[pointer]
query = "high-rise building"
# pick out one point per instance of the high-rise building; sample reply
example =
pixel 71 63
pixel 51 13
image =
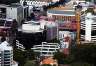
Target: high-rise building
pixel 30 33
pixel 51 28
pixel 88 27
pixel 6 11
pixel 6 54
pixel 17 9
pixel 35 32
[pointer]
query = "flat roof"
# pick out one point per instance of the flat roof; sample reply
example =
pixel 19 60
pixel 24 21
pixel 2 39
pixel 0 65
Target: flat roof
pixel 67 6
pixel 3 6
pixel 62 12
pixel 64 7
pixel 14 5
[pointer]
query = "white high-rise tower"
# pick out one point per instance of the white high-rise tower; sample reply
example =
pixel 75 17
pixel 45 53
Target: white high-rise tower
pixel 6 55
pixel 88 27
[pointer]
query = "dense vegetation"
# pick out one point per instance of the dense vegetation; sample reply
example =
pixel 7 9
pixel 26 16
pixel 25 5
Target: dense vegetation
pixel 82 55
pixel 24 57
pixel 85 53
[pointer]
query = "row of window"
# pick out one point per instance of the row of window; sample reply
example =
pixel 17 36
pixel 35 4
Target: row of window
pixel 39 0
pixel 93 32
pixel 35 3
pixel 47 52
pixel 5 23
pixel 66 18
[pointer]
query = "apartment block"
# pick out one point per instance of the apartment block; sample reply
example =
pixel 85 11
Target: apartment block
pixel 6 55
pixel 7 11
pixel 46 49
pixel 17 9
pixel 88 27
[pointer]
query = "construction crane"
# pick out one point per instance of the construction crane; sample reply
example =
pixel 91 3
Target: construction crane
pixel 78 26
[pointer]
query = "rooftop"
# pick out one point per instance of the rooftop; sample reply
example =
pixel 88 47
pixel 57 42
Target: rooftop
pixel 14 5
pixel 67 8
pixel 49 60
pixel 3 6
pixel 63 7
pixel 5 46
pixel 66 12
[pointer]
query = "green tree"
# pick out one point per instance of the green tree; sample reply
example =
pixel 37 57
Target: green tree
pixel 19 57
pixel 30 63
pixel 80 64
pixel 46 65
pixel 84 53
pixel 60 57
pixel 30 54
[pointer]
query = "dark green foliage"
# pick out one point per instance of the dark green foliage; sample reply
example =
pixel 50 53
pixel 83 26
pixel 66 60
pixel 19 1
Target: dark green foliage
pixel 30 54
pixel 81 64
pixel 81 55
pixel 22 56
pixel 60 57
pixel 19 57
pixel 46 65
pixel 30 63
pixel 84 53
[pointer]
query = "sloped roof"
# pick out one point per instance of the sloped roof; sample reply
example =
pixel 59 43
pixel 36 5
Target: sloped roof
pixel 49 60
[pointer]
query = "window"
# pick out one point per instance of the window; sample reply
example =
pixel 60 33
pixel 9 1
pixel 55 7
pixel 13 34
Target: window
pixel 6 62
pixel 3 10
pixel 51 49
pixel 82 32
pixel 6 51
pixel 0 54
pixel 2 22
pixel 6 59
pixel 44 49
pixel 49 53
pixel 6 56
pixel 93 32
pixel 44 52
pixel 8 23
